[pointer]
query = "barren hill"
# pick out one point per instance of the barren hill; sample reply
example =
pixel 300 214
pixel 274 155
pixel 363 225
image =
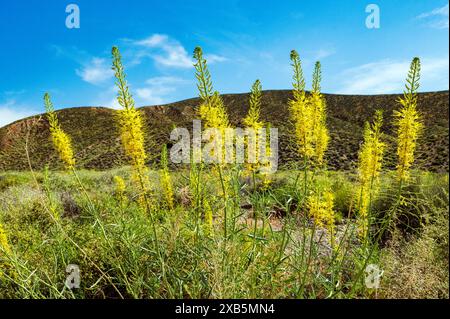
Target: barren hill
pixel 97 145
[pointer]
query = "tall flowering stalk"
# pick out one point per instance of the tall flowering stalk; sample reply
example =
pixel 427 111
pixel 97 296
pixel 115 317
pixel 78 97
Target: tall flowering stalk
pixel 254 124
pixel 320 137
pixel 61 140
pixel 212 110
pixel 369 167
pixel 408 122
pixel 131 124
pixel 309 117
pixel 301 114
pixel 214 115
pixel 166 182
pixel 62 144
pixel 267 166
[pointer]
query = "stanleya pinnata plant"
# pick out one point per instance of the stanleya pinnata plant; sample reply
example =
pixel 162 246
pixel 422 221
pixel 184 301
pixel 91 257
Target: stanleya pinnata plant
pixel 211 111
pixel 213 114
pixel 131 126
pixel 370 160
pixel 61 140
pixel 408 122
pixel 320 136
pixel 256 165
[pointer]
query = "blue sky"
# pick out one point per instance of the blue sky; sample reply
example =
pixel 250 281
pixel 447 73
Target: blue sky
pixel 243 41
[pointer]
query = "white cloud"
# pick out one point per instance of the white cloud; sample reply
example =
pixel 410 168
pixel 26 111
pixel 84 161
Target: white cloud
pixel 107 98
pixel 388 76
pixel 10 112
pixel 323 53
pixel 151 96
pixel 154 91
pixel 437 18
pixel 96 72
pixel 213 58
pixel 168 52
pixel 154 40
pixel 157 90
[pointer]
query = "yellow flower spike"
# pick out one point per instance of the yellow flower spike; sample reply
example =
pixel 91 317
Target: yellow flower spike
pixel 61 140
pixel 212 111
pixel 320 137
pixel 320 207
pixel 4 249
pixel 252 122
pixel 369 167
pixel 4 241
pixel 252 119
pixel 301 114
pixel 120 188
pixel 213 114
pixel 408 122
pixel 131 126
pixel 166 182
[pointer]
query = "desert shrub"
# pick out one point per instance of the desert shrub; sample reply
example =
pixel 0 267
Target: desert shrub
pixel 422 197
pixel 417 266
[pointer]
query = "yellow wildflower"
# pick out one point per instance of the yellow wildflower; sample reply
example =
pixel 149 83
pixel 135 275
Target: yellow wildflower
pixel 301 113
pixel 120 188
pixel 317 103
pixel 212 111
pixel 253 123
pixel 61 140
pixel 369 167
pixel 4 241
pixel 408 122
pixel 131 124
pixel 320 207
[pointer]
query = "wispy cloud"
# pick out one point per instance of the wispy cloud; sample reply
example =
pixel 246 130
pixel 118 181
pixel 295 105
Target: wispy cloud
pixel 154 91
pixel 388 76
pixel 92 69
pixel 11 111
pixel 214 58
pixel 107 98
pixel 96 71
pixel 324 53
pixel 167 52
pixel 158 89
pixel 437 18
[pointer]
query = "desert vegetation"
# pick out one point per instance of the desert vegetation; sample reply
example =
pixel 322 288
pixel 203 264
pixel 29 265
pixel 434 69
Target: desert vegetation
pixel 231 230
